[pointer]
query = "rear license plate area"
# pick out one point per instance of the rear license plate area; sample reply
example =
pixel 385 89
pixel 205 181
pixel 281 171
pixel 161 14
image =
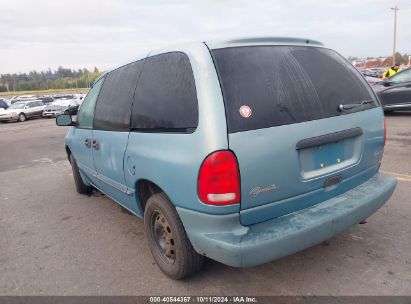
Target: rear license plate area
pixel 324 159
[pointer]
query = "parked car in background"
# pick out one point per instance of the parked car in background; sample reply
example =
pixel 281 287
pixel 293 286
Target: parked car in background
pixel 3 104
pixel 26 97
pixel 395 92
pixel 372 80
pixel 23 98
pixel 63 96
pixel 21 111
pixel 8 101
pixel 11 99
pixel 374 72
pixel 361 70
pixel 46 99
pixel 79 97
pixel 61 106
pixel 243 151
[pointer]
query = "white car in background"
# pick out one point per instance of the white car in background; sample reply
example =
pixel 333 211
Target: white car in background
pixel 61 106
pixel 23 110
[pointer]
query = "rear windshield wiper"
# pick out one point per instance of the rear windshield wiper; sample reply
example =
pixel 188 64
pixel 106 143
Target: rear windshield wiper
pixel 350 106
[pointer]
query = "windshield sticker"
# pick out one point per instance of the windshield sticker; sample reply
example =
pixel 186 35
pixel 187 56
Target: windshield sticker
pixel 245 111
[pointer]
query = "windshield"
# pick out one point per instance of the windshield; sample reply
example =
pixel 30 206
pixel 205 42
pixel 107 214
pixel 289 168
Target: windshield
pixel 404 76
pixel 17 106
pixel 267 86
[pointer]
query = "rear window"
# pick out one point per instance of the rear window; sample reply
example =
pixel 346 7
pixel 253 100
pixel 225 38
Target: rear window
pixel 267 86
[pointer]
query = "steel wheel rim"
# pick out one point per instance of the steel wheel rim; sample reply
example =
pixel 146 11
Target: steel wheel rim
pixel 163 237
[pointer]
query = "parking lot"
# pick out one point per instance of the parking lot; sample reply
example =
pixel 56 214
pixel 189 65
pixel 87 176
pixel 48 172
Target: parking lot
pixel 57 242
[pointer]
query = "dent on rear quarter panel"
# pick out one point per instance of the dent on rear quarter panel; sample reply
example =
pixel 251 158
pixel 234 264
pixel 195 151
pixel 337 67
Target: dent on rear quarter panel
pixel 172 161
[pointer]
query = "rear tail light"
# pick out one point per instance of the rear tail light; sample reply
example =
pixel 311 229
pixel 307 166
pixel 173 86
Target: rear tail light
pixel 219 179
pixel 385 131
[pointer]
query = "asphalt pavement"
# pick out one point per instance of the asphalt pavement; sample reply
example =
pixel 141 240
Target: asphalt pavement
pixel 57 242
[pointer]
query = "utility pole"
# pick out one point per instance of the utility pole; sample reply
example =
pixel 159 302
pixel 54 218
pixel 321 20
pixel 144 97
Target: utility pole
pixel 394 9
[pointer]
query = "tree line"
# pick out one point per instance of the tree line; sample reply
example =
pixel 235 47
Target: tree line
pixel 62 78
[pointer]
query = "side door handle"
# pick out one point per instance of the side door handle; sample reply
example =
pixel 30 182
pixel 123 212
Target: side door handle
pixel 87 142
pixel 96 145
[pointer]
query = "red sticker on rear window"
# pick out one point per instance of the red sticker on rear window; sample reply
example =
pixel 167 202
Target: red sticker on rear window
pixel 245 111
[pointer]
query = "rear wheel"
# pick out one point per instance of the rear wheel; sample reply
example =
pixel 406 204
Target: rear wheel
pixel 168 240
pixel 22 117
pixel 81 187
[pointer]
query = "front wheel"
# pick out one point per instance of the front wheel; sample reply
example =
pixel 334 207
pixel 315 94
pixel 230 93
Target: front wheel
pixel 168 240
pixel 81 187
pixel 22 117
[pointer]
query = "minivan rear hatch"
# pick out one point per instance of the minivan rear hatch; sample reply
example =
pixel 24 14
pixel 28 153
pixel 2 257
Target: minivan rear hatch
pixel 304 125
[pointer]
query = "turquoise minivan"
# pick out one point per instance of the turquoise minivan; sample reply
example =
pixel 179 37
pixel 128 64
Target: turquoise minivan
pixel 242 151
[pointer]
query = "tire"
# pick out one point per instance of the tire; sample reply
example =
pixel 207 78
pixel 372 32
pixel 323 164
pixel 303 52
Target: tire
pixel 168 241
pixel 22 117
pixel 81 187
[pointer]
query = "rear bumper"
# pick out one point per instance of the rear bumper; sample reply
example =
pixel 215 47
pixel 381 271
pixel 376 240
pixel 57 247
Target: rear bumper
pixel 224 239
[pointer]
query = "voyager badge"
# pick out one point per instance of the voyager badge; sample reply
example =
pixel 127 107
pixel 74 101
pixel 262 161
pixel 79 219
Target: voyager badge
pixel 257 190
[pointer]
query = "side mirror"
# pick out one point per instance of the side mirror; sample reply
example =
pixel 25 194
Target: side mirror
pixel 387 83
pixel 64 120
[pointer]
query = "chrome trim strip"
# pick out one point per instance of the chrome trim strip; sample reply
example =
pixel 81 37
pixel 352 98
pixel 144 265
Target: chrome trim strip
pixel 106 180
pixel 114 184
pixel 87 169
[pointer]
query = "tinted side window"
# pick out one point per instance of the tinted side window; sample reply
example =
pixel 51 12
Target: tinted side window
pixel 286 84
pixel 166 97
pixel 116 96
pixel 86 112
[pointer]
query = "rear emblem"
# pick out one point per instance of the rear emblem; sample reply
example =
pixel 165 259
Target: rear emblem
pixel 257 190
pixel 245 111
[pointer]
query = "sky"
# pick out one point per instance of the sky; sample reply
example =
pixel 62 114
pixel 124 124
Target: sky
pixel 42 34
